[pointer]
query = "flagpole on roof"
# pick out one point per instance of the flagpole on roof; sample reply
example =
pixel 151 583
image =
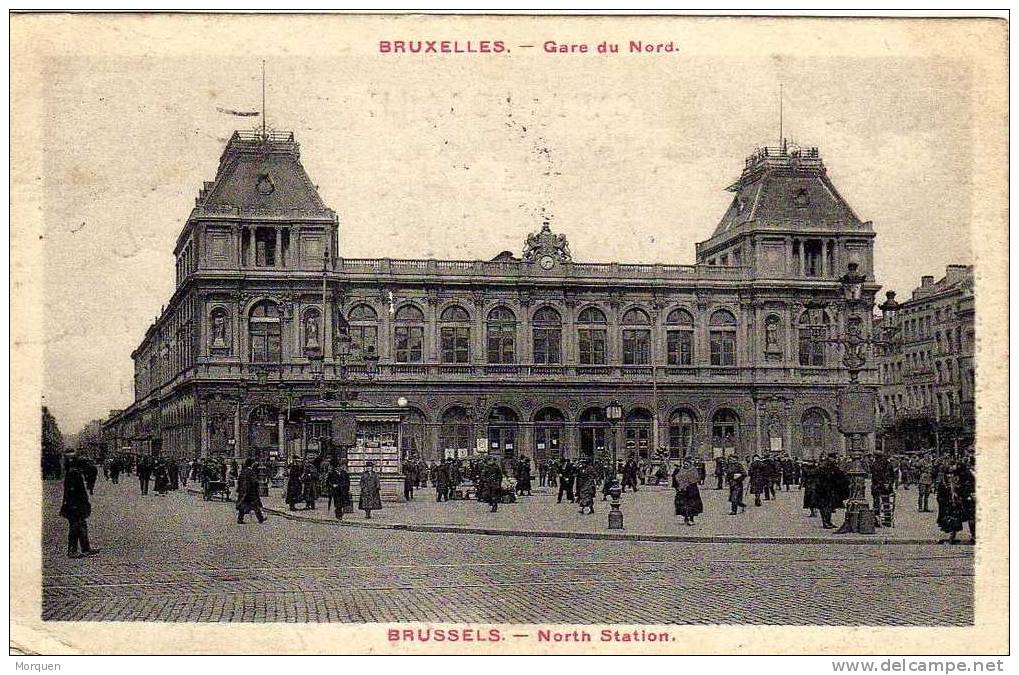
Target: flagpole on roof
pixel 263 99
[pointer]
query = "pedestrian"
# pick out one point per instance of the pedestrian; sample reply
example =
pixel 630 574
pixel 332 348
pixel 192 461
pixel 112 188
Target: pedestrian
pixel 759 478
pixel 553 472
pixel 702 472
pixel 957 500
pixel 587 485
pixel 173 473
pixel 924 484
pixel 160 477
pixel 524 477
pixel 788 472
pixel 309 486
pixel 808 482
pixel 542 473
pixel 371 491
pixel 295 490
pixel 410 480
pixel 76 509
pixel 567 473
pixel 772 477
pixel 339 489
pixel 234 468
pixel 882 479
pixel 249 493
pixel 144 474
pixel 115 467
pixel 831 489
pixel 440 479
pixel 685 480
pixel 719 472
pixel 492 480
pixel 736 476
pixel 91 473
pixel 630 474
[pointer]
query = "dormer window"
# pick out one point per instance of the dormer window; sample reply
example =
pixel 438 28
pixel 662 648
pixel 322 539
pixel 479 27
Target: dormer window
pixel 801 199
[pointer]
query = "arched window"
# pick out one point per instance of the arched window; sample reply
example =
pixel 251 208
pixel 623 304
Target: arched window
pixel 724 433
pixel 591 336
pixel 637 433
pixel 593 429
pixel 681 434
pixel 772 335
pixel 263 431
pixel 456 433
pixel 722 334
pixel 636 338
pixel 455 335
pixel 679 338
pixel 311 325
pixel 264 333
pixel 408 334
pixel 502 432
pixel 815 432
pixel 547 327
pixel 814 325
pixel 548 430
pixel 363 328
pixel 502 329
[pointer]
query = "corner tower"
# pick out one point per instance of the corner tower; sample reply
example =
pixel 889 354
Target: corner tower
pixel 260 213
pixel 787 221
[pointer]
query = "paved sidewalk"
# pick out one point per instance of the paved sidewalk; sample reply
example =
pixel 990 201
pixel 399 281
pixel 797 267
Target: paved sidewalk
pixel 648 515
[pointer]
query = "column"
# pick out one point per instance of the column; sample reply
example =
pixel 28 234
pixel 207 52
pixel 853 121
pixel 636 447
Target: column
pixel 789 256
pixel 803 258
pixel 284 451
pixel 431 354
pixel 279 246
pixel 824 259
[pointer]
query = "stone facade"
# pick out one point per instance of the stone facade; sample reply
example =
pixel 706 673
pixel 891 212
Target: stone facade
pixel 516 355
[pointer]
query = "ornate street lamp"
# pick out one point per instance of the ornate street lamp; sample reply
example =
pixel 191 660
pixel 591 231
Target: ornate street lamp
pixel 889 309
pixel 613 413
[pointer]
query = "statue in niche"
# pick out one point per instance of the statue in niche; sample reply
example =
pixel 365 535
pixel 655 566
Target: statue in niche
pixel 311 330
pixel 771 336
pixel 219 330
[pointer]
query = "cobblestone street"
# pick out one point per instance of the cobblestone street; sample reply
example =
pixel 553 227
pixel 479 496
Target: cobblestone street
pixel 177 558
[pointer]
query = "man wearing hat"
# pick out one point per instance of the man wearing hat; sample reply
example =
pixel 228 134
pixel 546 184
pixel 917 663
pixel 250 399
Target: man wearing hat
pixel 76 508
pixel 371 491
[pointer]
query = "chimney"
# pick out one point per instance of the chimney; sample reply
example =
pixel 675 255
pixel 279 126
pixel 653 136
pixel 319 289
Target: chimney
pixel 955 273
pixel 926 281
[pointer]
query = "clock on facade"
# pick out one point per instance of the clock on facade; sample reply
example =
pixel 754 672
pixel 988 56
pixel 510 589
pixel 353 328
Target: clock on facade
pixel 547 262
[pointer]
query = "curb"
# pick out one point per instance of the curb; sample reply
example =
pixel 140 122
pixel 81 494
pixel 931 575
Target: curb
pixel 598 536
pixel 604 536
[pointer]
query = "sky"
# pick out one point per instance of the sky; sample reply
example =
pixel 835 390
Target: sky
pixel 459 156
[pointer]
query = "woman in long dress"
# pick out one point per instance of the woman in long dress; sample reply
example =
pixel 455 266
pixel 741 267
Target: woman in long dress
pixel 688 496
pixel 587 485
pixel 371 491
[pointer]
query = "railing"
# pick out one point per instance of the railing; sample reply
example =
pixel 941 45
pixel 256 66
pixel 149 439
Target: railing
pixel 495 268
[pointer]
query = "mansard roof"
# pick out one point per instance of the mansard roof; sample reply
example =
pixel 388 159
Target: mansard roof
pixel 262 173
pixel 788 189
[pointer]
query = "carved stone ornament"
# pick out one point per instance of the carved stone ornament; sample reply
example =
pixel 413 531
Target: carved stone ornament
pixel 545 244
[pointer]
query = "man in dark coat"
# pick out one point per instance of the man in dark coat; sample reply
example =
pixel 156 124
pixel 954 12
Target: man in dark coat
pixel 772 477
pixel 924 483
pixel 309 486
pixel 160 477
pixel 736 476
pixel 440 479
pixel 957 500
pixel 524 477
pixel 630 474
pixel 542 473
pixel 789 472
pixel 587 485
pixel 758 478
pixel 144 474
pixel 173 472
pixel 719 472
pixel 882 479
pixel 492 478
pixel 295 489
pixel 249 493
pixel 567 473
pixel 90 472
pixel 831 489
pixel 339 489
pixel 808 482
pixel 371 491
pixel 76 509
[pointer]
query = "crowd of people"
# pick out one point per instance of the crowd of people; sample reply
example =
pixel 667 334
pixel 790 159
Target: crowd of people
pixel 825 484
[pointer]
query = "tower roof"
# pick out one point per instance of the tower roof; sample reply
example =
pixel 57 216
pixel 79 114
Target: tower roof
pixel 262 173
pixel 787 188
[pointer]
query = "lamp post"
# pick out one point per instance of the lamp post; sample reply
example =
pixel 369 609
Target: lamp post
pixel 613 413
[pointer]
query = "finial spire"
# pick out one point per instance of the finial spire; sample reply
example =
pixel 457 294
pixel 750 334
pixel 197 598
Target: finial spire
pixel 263 99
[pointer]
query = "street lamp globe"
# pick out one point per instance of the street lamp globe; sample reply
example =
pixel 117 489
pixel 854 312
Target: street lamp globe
pixel 614 411
pixel 889 308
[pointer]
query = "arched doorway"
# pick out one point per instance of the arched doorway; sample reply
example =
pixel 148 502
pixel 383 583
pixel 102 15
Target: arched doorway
pixel 548 431
pixel 815 433
pixel 724 433
pixel 502 432
pixel 263 433
pixel 681 434
pixel 412 436
pixel 593 430
pixel 456 433
pixel 636 435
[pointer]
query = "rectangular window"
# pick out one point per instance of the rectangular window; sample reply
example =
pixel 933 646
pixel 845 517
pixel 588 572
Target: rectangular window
pixel 811 349
pixel 455 344
pixel 501 344
pixel 408 341
pixel 547 343
pixel 723 348
pixel 592 346
pixel 679 344
pixel 364 338
pixel 636 347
